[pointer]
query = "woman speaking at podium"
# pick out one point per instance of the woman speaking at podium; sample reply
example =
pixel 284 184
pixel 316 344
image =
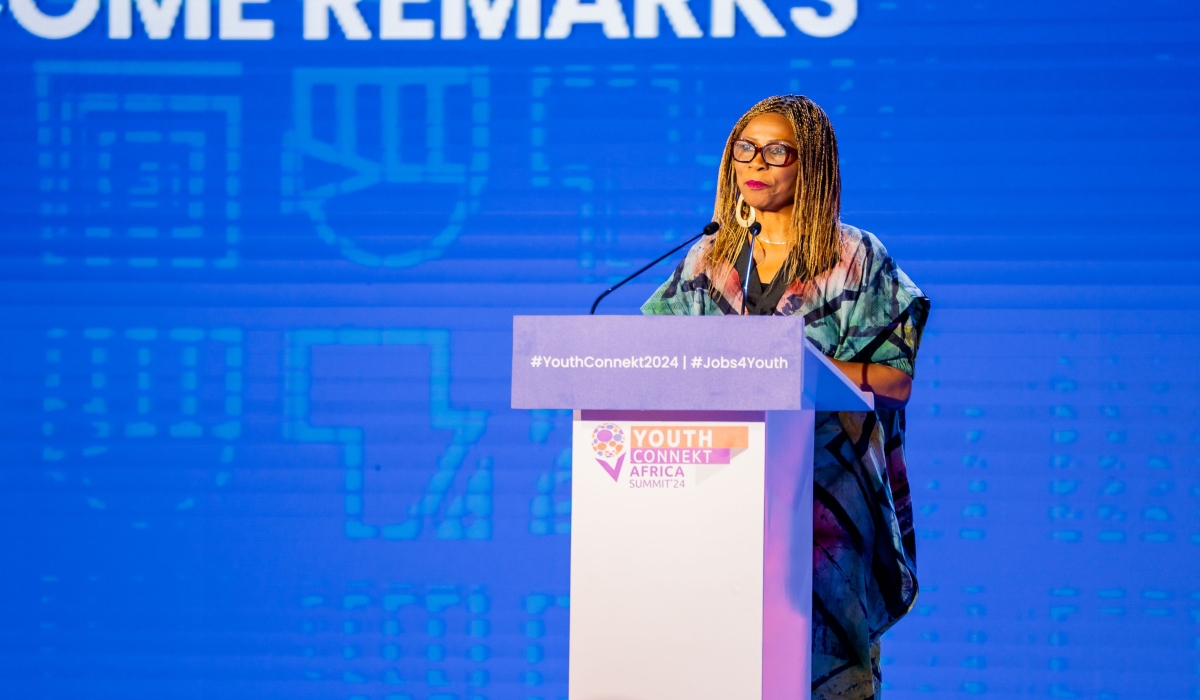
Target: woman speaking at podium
pixel 780 171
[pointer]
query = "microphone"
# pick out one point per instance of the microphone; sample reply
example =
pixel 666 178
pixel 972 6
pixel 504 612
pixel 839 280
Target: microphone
pixel 755 229
pixel 708 230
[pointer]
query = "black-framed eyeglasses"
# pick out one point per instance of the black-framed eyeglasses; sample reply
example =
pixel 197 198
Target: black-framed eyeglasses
pixel 776 154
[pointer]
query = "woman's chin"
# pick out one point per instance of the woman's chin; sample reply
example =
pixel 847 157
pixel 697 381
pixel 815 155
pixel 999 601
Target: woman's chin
pixel 764 204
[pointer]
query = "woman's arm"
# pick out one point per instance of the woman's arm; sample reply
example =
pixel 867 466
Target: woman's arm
pixel 891 386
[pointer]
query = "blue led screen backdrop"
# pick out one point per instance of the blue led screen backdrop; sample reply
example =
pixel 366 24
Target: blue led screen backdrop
pixel 259 266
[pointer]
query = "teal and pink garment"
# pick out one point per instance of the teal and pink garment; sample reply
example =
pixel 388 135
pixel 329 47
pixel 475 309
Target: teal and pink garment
pixel 864 309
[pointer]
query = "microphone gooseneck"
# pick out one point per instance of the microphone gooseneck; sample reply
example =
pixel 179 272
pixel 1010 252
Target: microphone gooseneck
pixel 708 230
pixel 755 229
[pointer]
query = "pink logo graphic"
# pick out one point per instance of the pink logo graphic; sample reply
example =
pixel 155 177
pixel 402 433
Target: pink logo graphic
pixel 608 441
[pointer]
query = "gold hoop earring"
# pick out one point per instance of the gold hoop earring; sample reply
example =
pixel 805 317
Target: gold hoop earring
pixel 737 213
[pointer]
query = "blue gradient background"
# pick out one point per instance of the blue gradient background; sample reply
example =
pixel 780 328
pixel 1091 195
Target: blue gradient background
pixel 255 432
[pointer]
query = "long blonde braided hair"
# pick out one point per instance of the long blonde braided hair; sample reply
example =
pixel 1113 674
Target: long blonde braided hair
pixel 814 231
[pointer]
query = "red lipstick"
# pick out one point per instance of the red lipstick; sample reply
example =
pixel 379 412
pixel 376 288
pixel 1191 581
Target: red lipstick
pixel 755 184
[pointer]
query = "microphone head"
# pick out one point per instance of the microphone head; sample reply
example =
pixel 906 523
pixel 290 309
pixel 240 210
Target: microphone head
pixel 711 228
pixel 755 228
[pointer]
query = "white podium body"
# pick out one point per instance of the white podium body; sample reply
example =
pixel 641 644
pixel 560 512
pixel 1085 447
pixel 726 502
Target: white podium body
pixel 691 510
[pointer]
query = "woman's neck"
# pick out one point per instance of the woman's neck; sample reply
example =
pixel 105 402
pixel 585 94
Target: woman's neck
pixel 774 242
pixel 776 225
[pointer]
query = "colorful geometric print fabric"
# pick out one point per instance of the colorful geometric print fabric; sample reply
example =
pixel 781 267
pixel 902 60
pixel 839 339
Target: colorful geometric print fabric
pixel 865 309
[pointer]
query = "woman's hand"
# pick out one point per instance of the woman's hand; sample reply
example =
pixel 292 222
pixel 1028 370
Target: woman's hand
pixel 891 386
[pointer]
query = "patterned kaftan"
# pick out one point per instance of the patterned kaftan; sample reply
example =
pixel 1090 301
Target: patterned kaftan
pixel 865 309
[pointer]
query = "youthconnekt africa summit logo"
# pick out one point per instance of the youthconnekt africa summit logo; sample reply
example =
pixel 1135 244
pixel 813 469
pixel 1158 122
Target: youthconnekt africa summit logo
pixel 608 442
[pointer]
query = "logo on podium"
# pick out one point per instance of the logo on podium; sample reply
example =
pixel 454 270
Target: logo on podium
pixel 608 442
pixel 667 456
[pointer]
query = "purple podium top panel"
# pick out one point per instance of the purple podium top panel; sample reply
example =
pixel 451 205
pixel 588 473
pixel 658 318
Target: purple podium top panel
pixel 682 363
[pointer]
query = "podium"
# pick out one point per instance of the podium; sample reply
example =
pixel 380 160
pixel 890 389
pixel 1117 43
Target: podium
pixel 691 497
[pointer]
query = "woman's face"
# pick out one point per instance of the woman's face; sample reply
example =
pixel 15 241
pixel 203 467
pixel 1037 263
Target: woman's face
pixel 767 187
